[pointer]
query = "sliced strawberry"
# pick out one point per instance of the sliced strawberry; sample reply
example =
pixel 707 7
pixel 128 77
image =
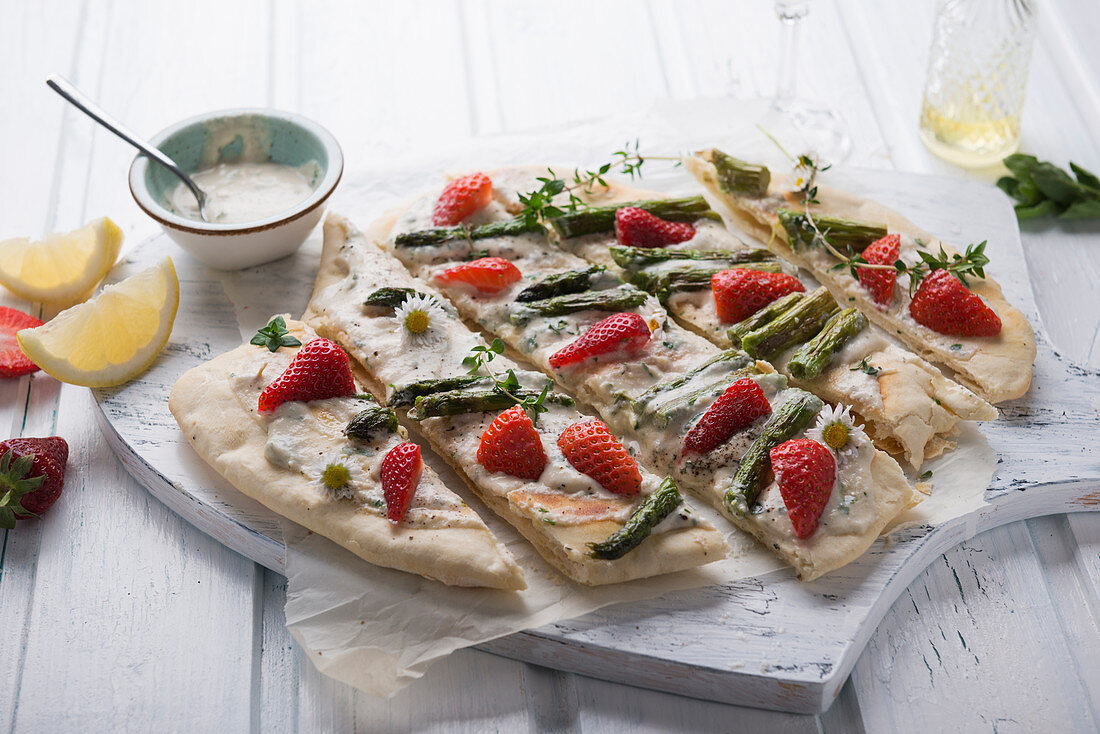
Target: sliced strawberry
pixel 944 304
pixel 488 275
pixel 461 198
pixel 13 362
pixel 740 292
pixel 621 333
pixel 32 475
pixel 319 370
pixel 401 469
pixel 805 472
pixel 636 227
pixel 592 450
pixel 739 406
pixel 511 444
pixel 881 282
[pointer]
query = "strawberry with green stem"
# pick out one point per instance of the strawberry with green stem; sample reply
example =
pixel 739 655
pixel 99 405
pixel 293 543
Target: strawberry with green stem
pixel 32 475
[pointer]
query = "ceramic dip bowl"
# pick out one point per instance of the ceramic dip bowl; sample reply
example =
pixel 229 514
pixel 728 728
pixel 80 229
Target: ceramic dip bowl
pixel 239 136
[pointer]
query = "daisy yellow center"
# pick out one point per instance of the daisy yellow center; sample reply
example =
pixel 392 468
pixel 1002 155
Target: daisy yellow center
pixel 835 435
pixel 336 476
pixel 417 322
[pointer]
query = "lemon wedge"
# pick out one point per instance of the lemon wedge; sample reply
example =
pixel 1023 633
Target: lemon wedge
pixel 112 338
pixel 62 269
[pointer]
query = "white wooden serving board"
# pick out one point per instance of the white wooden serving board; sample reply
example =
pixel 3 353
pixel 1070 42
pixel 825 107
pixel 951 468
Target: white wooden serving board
pixel 768 642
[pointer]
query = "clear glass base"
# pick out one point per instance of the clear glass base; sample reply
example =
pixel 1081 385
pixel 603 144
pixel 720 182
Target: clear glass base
pixel 803 127
pixel 969 157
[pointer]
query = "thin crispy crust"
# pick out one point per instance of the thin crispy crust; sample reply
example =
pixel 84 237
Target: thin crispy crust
pixel 998 369
pixel 230 439
pixel 564 546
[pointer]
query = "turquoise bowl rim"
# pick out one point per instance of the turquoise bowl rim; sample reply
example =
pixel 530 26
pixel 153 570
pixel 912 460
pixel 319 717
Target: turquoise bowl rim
pixel 333 171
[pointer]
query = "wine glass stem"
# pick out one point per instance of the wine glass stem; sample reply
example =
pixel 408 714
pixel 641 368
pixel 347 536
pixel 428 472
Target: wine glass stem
pixel 791 13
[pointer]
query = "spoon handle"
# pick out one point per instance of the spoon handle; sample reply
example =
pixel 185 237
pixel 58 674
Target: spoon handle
pixel 79 100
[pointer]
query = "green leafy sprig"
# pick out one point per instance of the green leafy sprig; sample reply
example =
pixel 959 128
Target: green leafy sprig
pixel 970 264
pixel 540 204
pixel 1042 189
pixel 478 360
pixel 275 335
pixel 865 367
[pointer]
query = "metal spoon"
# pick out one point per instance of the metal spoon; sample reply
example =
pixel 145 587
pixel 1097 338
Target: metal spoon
pixel 81 101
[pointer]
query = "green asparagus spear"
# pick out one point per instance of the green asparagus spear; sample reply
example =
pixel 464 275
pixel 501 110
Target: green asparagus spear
pixel 796 412
pixel 407 394
pixel 765 315
pixel 736 176
pixel 795 325
pixel 442 235
pixel 367 422
pixel 814 356
pixel 654 508
pixel 475 401
pixel 845 234
pixel 389 297
pixel 663 283
pixel 623 298
pixel 735 357
pixel 602 218
pixel 559 284
pixel 633 258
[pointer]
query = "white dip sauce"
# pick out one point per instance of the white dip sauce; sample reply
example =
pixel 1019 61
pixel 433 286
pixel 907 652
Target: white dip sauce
pixel 245 192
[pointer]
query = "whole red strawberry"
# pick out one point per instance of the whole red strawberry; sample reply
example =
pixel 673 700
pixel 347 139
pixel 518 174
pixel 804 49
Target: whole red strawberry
pixel 944 304
pixel 512 445
pixel 13 362
pixel 621 333
pixel 488 275
pixel 636 227
pixel 805 472
pixel 461 198
pixel 881 282
pixel 319 370
pixel 32 475
pixel 740 292
pixel 401 469
pixel 739 406
pixel 592 450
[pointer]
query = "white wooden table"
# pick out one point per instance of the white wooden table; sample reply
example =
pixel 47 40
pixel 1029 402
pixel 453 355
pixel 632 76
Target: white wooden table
pixel 116 614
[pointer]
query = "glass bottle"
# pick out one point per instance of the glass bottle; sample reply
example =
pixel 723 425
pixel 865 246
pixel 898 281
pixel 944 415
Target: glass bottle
pixel 977 75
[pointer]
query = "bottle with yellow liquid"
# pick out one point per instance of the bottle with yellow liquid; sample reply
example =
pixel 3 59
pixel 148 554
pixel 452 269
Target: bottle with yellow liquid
pixel 977 75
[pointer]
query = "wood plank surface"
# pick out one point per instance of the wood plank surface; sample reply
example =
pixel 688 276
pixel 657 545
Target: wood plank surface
pixel 115 614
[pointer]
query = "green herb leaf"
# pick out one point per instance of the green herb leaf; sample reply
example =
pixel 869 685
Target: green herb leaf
pixel 275 335
pixel 925 476
pixel 1042 189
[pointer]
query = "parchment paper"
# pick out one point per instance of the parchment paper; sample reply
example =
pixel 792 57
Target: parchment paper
pixel 379 629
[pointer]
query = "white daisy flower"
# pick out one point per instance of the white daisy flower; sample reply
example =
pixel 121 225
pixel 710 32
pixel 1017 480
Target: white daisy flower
pixel 419 319
pixel 836 430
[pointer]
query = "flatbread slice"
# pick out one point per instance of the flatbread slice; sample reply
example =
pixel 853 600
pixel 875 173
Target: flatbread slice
pixel 909 407
pixel 997 368
pixel 656 395
pixel 562 512
pixel 278 461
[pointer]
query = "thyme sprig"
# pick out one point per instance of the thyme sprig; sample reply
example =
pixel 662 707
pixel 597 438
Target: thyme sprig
pixel 478 361
pixel 541 204
pixel 970 264
pixel 275 335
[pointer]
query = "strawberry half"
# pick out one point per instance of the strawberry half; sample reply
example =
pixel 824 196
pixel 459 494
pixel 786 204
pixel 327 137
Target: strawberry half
pixel 319 370
pixel 401 469
pixel 739 406
pixel 621 333
pixel 944 304
pixel 13 362
pixel 32 475
pixel 881 282
pixel 488 275
pixel 512 445
pixel 740 292
pixel 461 198
pixel 592 450
pixel 805 472
pixel 636 227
